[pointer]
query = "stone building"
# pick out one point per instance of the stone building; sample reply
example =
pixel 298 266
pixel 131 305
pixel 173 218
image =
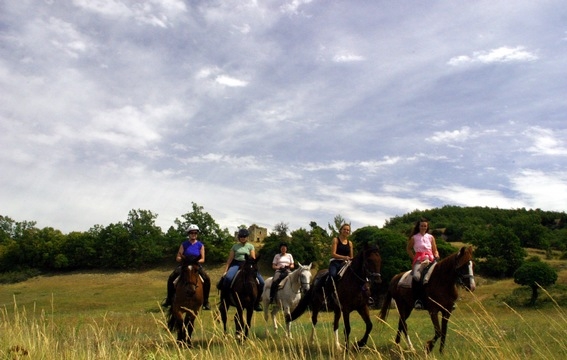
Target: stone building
pixel 257 233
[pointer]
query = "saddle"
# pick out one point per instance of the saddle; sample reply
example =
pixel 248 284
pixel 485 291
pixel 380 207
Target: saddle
pixel 426 270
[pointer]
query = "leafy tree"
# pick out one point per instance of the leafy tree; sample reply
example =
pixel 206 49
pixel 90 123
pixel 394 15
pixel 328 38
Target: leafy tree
pixel 271 244
pixel 145 237
pixel 392 247
pixel 114 240
pixel 281 229
pixel 338 221
pixel 80 250
pixel 217 241
pixel 320 240
pixel 529 230
pixel 535 274
pixel 498 249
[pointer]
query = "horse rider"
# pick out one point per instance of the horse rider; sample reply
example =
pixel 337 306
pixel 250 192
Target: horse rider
pixel 421 247
pixel 341 251
pixel 195 248
pixel 283 265
pixel 236 257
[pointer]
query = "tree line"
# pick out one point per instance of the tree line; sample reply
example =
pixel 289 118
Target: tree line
pixel 499 236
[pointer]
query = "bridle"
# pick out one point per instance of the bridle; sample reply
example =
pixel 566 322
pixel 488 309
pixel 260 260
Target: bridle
pixel 468 276
pixel 369 276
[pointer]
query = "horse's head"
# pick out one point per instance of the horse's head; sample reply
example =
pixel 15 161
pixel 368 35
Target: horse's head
pixel 372 263
pixel 464 266
pixel 249 267
pixel 190 273
pixel 304 277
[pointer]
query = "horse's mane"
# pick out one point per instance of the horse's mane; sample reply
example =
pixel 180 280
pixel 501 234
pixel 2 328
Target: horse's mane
pixel 358 260
pixel 246 271
pixel 455 260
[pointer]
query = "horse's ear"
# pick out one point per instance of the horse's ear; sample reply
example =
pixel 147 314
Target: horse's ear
pixel 298 263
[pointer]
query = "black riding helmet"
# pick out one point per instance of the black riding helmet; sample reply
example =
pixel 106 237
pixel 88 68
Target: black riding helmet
pixel 283 244
pixel 242 233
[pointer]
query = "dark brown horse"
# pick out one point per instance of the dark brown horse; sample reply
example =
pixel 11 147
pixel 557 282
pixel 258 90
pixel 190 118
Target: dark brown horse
pixel 242 295
pixel 350 293
pixel 187 301
pixel 440 291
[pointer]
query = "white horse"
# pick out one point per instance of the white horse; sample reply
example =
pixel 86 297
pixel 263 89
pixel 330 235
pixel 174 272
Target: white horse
pixel 288 294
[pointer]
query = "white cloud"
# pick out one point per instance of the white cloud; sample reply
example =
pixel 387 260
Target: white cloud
pixel 345 58
pixel 450 136
pixel 230 81
pixel 469 196
pixel 545 142
pixel 304 109
pixel 502 54
pixel 152 12
pixel 544 190
pixel 292 6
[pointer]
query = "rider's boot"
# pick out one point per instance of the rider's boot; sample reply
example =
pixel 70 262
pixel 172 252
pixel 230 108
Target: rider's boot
pixel 416 289
pixel 170 290
pixel 206 292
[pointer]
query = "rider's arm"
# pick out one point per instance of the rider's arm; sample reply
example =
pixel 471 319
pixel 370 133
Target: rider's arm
pixel 230 258
pixel 202 259
pixel 179 253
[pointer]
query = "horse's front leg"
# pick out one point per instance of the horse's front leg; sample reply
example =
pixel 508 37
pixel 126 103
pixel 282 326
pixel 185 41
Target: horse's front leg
pixel 403 313
pixel 444 324
pixel 223 309
pixel 239 322
pixel 336 327
pixel 287 312
pixel 435 320
pixel 364 313
pixel 188 325
pixel 249 313
pixel 275 310
pixel 314 315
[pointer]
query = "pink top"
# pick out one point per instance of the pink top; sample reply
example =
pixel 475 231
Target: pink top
pixel 422 247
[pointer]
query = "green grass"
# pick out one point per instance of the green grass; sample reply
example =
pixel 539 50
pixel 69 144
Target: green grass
pixel 117 316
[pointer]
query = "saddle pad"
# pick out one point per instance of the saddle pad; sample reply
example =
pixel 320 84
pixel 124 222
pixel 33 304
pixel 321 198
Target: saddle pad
pixel 282 283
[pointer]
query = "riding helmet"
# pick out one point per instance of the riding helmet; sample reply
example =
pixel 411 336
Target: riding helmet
pixel 242 233
pixel 192 227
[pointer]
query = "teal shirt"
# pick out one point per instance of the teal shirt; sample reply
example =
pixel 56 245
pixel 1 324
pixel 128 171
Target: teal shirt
pixel 241 250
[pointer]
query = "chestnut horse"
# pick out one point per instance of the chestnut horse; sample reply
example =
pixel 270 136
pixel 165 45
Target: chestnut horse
pixel 440 291
pixel 242 295
pixel 351 293
pixel 187 301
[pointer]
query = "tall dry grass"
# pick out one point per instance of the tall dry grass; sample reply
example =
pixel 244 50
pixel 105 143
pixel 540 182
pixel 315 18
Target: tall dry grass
pixel 474 333
pixel 117 316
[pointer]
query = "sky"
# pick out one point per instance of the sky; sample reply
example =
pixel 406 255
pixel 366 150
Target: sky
pixel 289 111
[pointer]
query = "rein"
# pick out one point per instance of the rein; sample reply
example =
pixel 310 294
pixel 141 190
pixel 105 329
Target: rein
pixel 300 278
pixel 368 273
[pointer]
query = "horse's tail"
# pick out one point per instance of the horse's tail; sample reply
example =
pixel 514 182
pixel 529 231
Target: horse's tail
pixel 171 320
pixel 386 305
pixel 301 306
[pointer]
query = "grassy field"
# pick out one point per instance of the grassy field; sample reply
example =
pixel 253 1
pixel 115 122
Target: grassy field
pixel 116 315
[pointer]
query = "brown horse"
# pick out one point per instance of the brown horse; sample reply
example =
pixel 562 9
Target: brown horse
pixel 242 295
pixel 351 293
pixel 187 301
pixel 440 291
